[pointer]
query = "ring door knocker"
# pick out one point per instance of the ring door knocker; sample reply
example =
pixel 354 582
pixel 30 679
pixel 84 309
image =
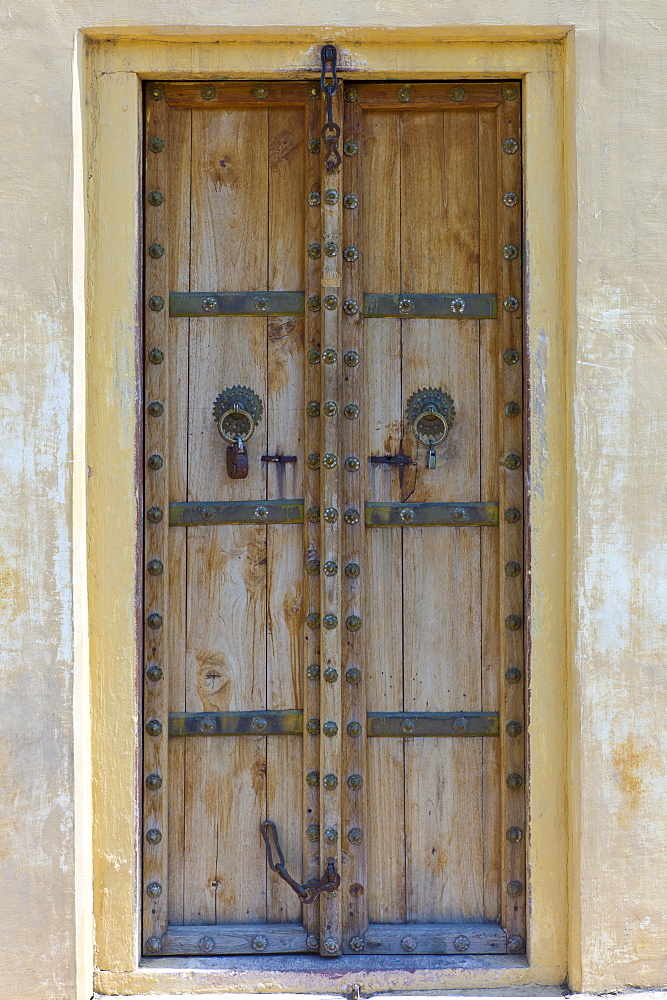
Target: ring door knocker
pixel 430 413
pixel 236 412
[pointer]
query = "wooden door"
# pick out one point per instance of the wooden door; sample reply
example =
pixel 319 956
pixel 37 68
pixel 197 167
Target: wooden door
pixel 334 643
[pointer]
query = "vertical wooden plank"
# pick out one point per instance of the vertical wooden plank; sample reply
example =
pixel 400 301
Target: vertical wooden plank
pixel 285 427
pixel 490 281
pixel 511 483
pixel 311 535
pixel 354 490
pixel 331 537
pixel 225 873
pixel 442 628
pixel 380 199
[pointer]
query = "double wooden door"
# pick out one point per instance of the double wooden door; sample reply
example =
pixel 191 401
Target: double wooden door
pixel 334 642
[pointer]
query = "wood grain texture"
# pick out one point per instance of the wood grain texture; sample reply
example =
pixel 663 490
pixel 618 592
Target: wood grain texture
pixel 237 94
pixel 429 96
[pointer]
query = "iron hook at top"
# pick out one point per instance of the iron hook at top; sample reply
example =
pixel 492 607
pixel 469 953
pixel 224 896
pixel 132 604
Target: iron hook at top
pixel 329 56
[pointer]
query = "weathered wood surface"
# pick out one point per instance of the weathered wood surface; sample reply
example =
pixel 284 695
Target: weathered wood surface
pixel 435 939
pixel 235 939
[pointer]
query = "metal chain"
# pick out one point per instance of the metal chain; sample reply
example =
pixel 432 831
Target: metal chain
pixel 310 890
pixel 330 130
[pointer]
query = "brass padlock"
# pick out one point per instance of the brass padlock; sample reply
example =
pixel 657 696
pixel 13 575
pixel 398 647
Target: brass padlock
pixel 236 412
pixel 430 413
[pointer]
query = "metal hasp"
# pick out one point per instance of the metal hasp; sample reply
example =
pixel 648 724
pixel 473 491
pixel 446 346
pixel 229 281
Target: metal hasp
pixel 310 890
pixel 392 514
pixel 193 513
pixel 288 722
pixel 432 724
pixel 236 412
pixel 330 130
pixel 406 305
pixel 236 303
pixel 430 413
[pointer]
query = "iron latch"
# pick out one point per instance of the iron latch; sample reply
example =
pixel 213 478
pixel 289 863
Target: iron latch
pixel 310 890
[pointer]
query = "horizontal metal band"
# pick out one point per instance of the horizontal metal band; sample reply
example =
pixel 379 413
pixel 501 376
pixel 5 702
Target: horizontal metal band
pixel 289 722
pixel 391 514
pixel 234 939
pixel 285 723
pixel 236 512
pixel 405 305
pixel 434 939
pixel 236 303
pixel 432 724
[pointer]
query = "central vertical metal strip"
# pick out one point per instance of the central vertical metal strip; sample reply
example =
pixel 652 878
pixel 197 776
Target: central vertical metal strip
pixel 332 627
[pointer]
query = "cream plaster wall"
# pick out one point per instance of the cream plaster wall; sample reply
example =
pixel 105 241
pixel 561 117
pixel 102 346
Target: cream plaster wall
pixel 617 399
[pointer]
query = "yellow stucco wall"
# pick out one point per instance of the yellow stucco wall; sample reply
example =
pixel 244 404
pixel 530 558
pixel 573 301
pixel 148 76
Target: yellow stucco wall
pixel 608 388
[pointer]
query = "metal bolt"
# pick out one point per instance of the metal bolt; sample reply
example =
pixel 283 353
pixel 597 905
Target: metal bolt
pixel 408 943
pixel 330 250
pixel 351 411
pixel 314 198
pixel 156 356
pixel 155 567
pixel 155 145
pixel 206 944
pixel 457 305
pixel 351 516
pixel 330 515
pixel 457 94
pixel 510 252
pixel 511 304
pixel 313 672
pixel 353 675
pixel 511 356
pixel 331 834
pixel 510 92
pixel 510 199
pixel 351 359
pixel 460 725
pixel 156 92
pixel 355 835
pixel 461 942
pixel 352 571
pixel 313 941
pixel 513 623
pixel 330 621
pixel 155 620
pixel 515 943
pixel 351 200
pixel 330 674
pixel 153 727
pixel 353 623
pixel 313 620
pixel 206 725
pixel 313 460
pixel 355 782
pixel 330 781
pixel 155 198
pixel 208 304
pixel 313 356
pixel 261 513
pixel 154 889
pixel 153 836
pixel 153 945
pixel 313 514
pixel 356 944
pixel 404 95
pixel 511 409
pixel 314 92
pixel 259 943
pixel 313 832
pixel 153 781
pixel 312 567
pixel 155 462
pixel 351 253
pixel 156 303
pixel 331 946
pixel 261 91
pixel 314 303
pixel 514 888
pixel 351 148
pixel 510 146
pixel 330 408
pixel 512 515
pixel 512 460
pixel 329 729
pixel 514 834
pixel 351 95
pixel 405 305
pixel 512 568
pixel 514 780
pixel 330 567
pixel 313 728
pixel 408 725
pixel 350 307
pixel 407 515
pixel 313 145
pixel 331 196
pixel 512 675
pixel 313 778
pixel 156 250
pixel 354 729
pixel 314 251
pixel 259 725
pixel 513 727
pixel 154 672
pixel 154 514
pixel 209 92
pixel 352 463
pixel 330 356
pixel 459 514
pixel 261 303
pixel 313 408
pixel 330 302
pixel 156 408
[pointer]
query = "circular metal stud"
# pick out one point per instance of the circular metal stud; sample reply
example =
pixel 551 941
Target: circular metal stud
pixel 512 675
pixel 353 675
pixel 330 567
pixel 209 92
pixel 510 199
pixel 351 200
pixel 154 672
pixel 457 94
pixel 511 409
pixel 155 198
